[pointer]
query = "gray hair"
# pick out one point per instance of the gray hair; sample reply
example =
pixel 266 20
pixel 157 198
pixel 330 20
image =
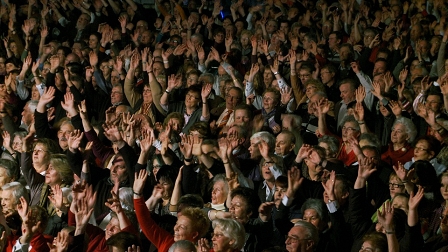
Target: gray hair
pixel 210 77
pixel 310 230
pixel 296 120
pixel 126 197
pixel 409 126
pixel 372 139
pixel 32 105
pixel 232 229
pixel 319 206
pixel 352 119
pixel 17 190
pixel 221 177
pixel 183 244
pixel 333 143
pixel 11 167
pixel 267 137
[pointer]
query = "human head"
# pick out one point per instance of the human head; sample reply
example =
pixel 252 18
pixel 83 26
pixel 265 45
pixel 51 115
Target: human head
pixel 303 237
pixel 182 246
pixel 330 144
pixel 341 189
pixel 375 242
pixel 350 127
pixel 244 202
pixel 426 148
pixel 64 132
pixel 328 74
pixel 396 185
pixel 284 143
pixel 9 171
pixel 255 140
pixel 271 98
pixel 234 97
pixel 347 88
pixel 192 224
pixel 62 173
pixel 116 95
pixel 10 196
pixel 220 189
pixel 28 112
pixel 121 241
pixel 228 234
pixel 242 115
pixel 315 212
pixel 403 131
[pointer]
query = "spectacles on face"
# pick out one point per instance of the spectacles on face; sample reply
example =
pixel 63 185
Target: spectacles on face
pixel 420 148
pixel 348 129
pixel 395 186
pixel 301 76
pixel 192 96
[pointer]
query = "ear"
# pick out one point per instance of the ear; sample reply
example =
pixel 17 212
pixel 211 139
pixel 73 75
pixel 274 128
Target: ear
pixel 231 242
pixel 242 140
pixel 195 235
pixel 310 245
pixel 292 147
pixel 431 154
pixel 345 195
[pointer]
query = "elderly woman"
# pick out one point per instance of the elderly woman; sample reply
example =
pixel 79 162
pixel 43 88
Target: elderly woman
pixel 46 188
pixel 219 193
pixel 312 86
pixel 400 149
pixel 228 236
pixel 269 119
pixel 350 129
pixel 34 167
pixel 427 148
pixel 192 223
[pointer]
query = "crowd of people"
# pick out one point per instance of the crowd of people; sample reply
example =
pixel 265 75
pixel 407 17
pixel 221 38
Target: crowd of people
pixel 248 125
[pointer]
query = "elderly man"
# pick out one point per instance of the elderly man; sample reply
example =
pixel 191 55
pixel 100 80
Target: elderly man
pixel 10 198
pixel 303 237
pixel 284 147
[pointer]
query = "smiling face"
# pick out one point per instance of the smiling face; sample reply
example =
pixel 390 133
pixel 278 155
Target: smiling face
pixel 444 187
pixel 269 101
pixel 241 117
pixel 113 227
pixel 395 186
pixel 398 134
pixel 183 230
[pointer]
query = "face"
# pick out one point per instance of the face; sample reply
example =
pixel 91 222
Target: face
pixel 269 101
pixel 239 209
pixel 27 115
pixel 383 109
pixel 146 37
pixel 311 216
pixel 9 204
pixel 444 187
pixel 296 240
pixel 118 171
pixel 83 21
pixel 112 228
pixel 17 143
pixel 241 117
pixel 147 95
pixel 155 167
pixel 52 177
pixel 310 90
pixel 267 174
pixel 347 94
pixel 368 37
pixel 268 76
pixel 271 26
pixel 232 99
pixel 433 103
pixel 219 195
pixel 183 229
pixel 421 151
pixel 220 242
pixel 167 188
pixel 367 247
pixel 379 68
pixel 326 76
pixel 245 40
pixel 192 80
pixel 395 186
pixel 349 129
pixel 398 134
pixel 254 149
pixel 40 155
pixel 63 135
pixel 219 38
pixel 4 178
pixel 192 99
pixel 345 54
pixel 116 96
pixel 2 66
pixel 401 202
pixel 304 75
pixel 278 194
pixel 35 95
pixel 93 42
pixel 283 144
pixel 333 41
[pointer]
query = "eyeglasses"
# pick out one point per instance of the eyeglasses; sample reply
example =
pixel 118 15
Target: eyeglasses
pixel 420 148
pixel 192 96
pixel 146 90
pixel 395 185
pixel 304 75
pixel 156 166
pixel 266 98
pixel 348 129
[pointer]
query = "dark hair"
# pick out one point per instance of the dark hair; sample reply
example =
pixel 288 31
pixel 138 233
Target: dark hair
pixel 167 173
pixel 281 181
pixel 123 240
pixel 433 144
pixel 378 241
pixel 249 196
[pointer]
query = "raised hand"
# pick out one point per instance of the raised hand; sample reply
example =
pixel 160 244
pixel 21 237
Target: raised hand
pixel 139 181
pixel 366 168
pixel 396 108
pixel 295 180
pixel 415 198
pixel 360 94
pixel 22 208
pixel 114 203
pixel 329 186
pixel 48 95
pixel 186 146
pixel 74 140
pixel 386 216
pixel 57 197
pixel 400 171
pixel 358 113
